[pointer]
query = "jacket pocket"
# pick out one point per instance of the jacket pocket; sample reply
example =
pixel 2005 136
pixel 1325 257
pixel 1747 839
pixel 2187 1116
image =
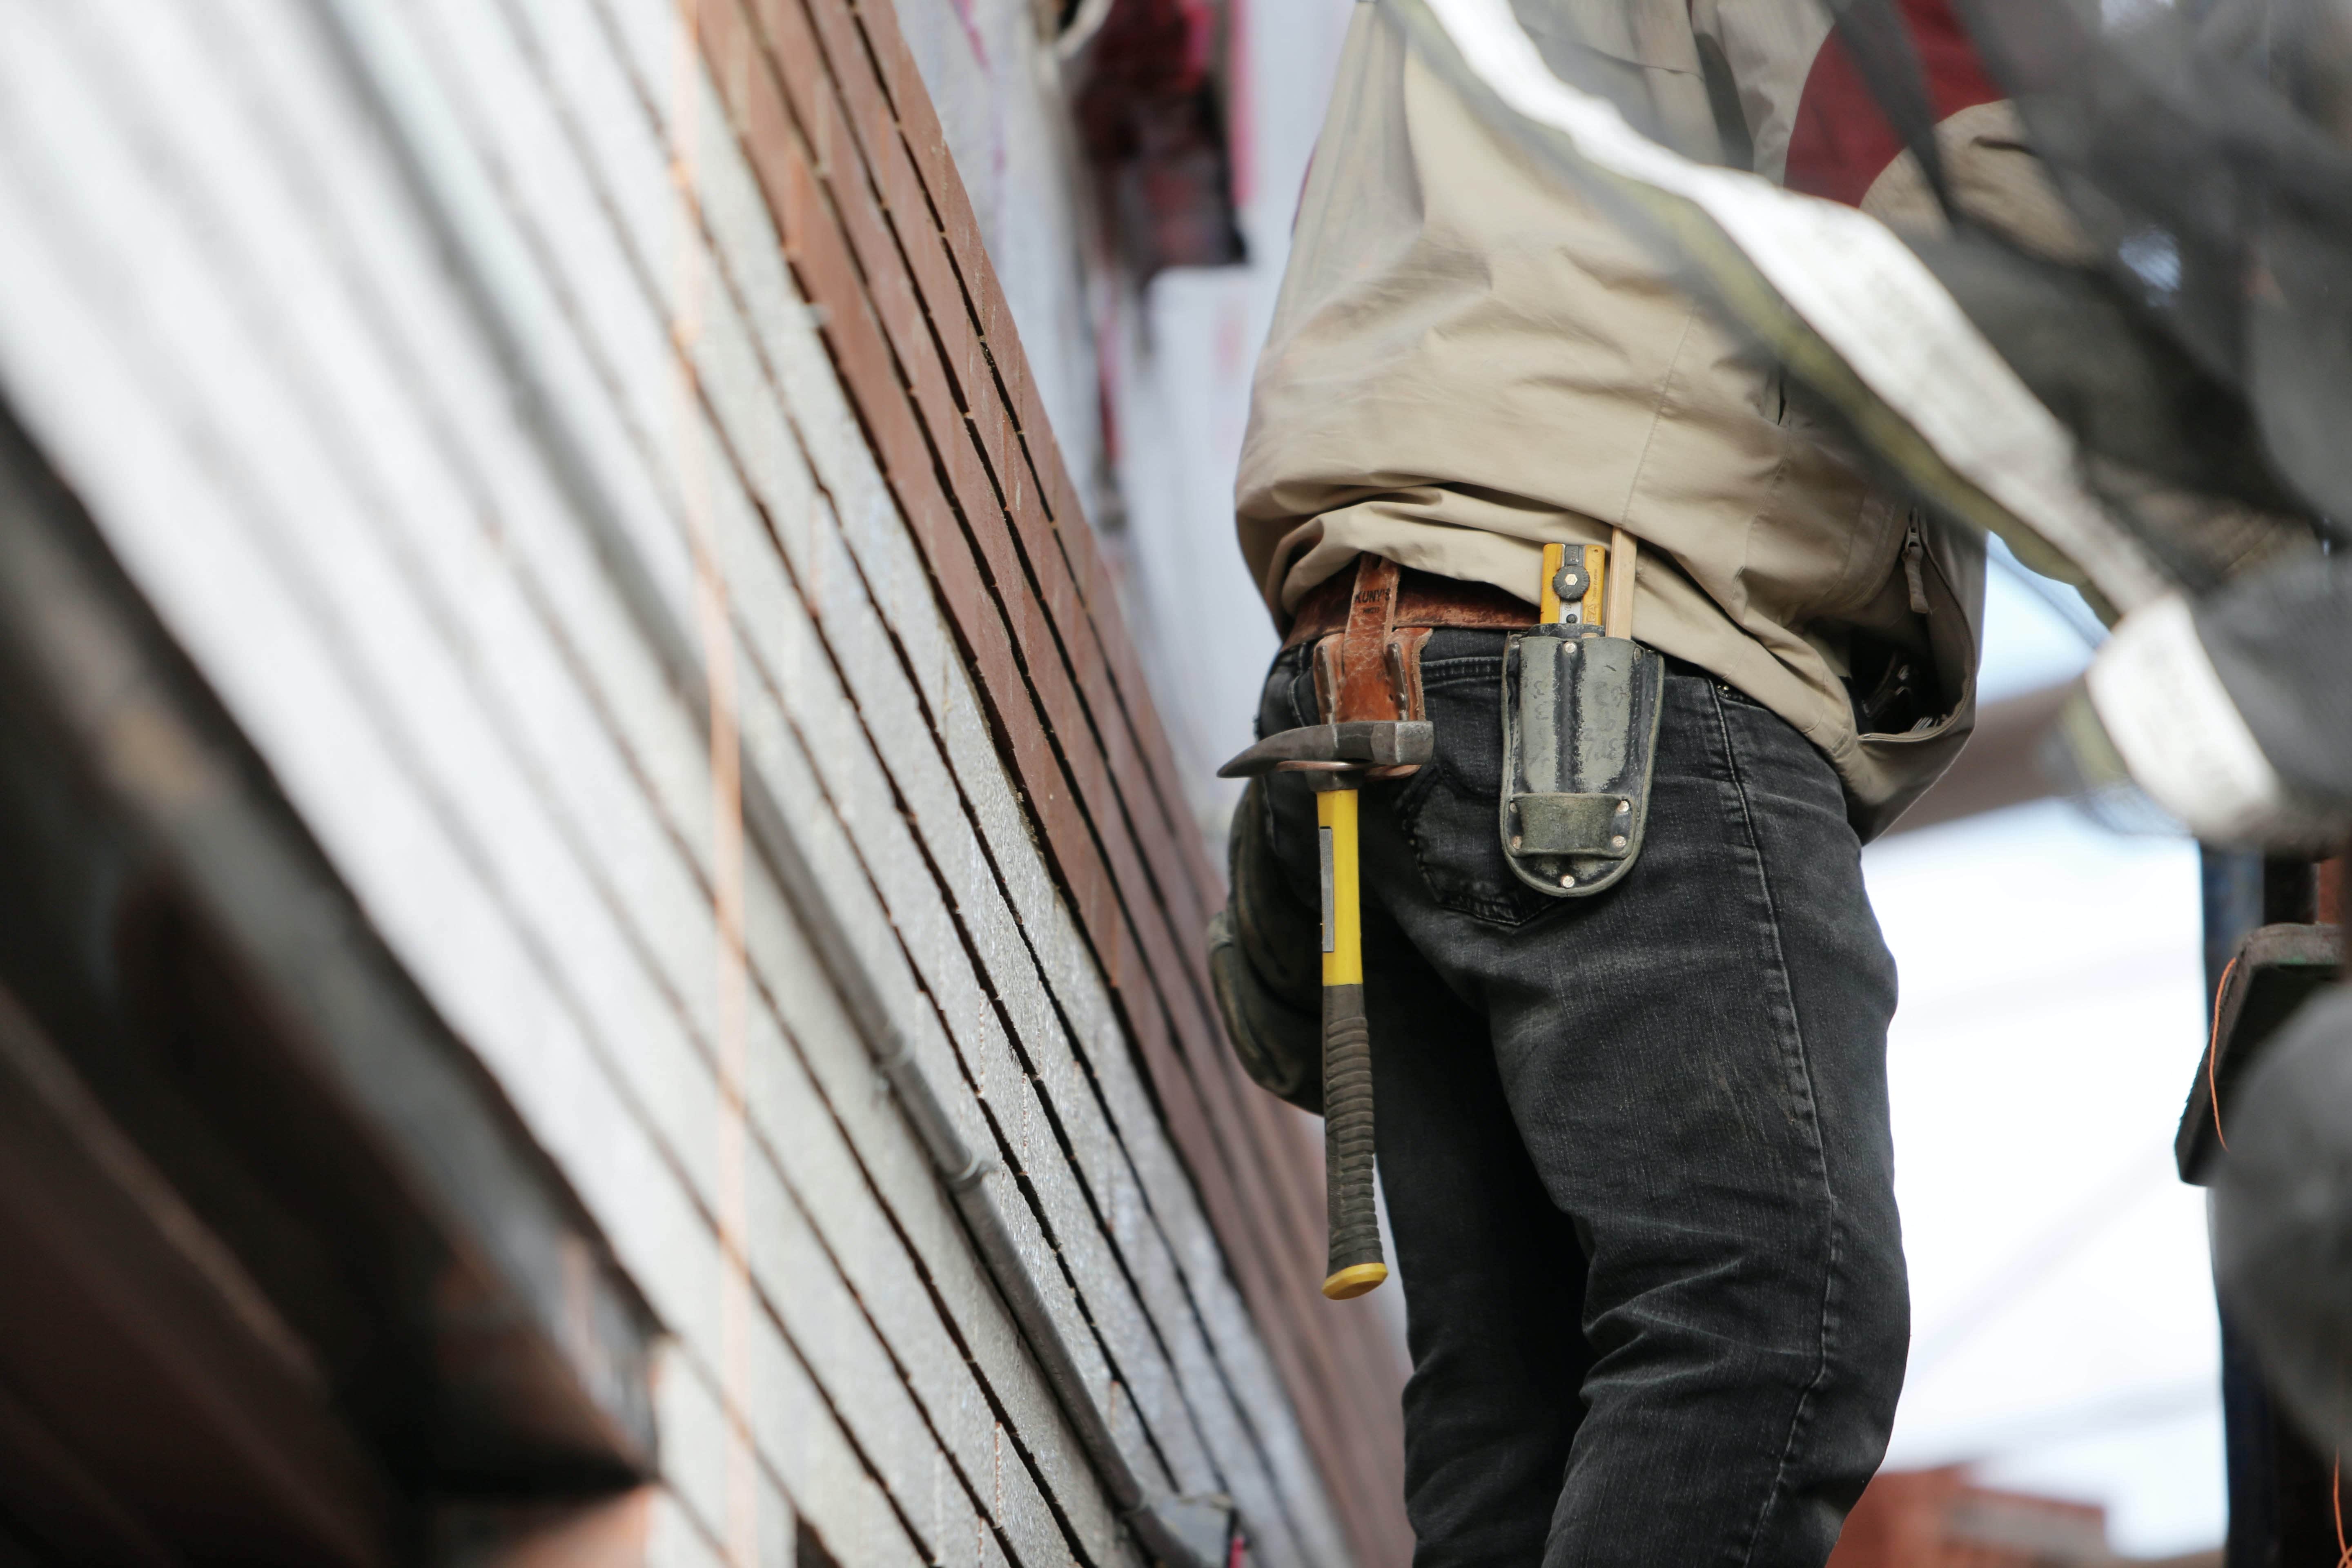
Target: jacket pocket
pixel 1951 642
pixel 1913 759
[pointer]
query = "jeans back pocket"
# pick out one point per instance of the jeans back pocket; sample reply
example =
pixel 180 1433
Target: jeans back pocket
pixel 1446 810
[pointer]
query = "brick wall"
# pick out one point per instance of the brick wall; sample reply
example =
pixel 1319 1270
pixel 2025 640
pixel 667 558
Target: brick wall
pixel 1938 1518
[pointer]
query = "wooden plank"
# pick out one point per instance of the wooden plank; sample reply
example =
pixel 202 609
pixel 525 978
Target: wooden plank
pixel 175 527
pixel 927 787
pixel 984 301
pixel 1040 552
pixel 1050 678
pixel 1005 567
pixel 819 110
pixel 911 114
pixel 1047 916
pixel 965 772
pixel 669 1274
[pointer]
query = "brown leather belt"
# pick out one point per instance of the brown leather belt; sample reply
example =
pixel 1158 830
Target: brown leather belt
pixel 1422 599
pixel 1368 625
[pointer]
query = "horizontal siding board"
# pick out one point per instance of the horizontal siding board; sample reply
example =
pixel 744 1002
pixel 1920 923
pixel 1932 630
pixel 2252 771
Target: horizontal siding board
pixel 1045 565
pixel 667 1272
pixel 929 788
pixel 843 476
pixel 983 296
pixel 428 574
pixel 981 397
pixel 271 663
pixel 817 1156
pixel 445 696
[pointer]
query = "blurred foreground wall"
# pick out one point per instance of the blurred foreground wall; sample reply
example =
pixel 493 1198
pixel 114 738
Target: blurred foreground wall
pixel 601 947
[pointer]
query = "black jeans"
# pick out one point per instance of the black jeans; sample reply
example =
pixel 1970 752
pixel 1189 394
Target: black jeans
pixel 1634 1147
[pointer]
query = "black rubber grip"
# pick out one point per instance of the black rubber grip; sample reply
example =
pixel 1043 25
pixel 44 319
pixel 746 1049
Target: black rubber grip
pixel 1348 1129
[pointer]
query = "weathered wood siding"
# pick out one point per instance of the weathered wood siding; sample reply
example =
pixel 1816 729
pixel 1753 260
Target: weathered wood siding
pixel 879 236
pixel 547 422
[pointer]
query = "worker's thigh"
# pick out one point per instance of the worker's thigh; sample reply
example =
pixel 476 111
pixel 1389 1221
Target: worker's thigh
pixel 1684 1075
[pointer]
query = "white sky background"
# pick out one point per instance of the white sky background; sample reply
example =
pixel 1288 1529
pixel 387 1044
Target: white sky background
pixel 2062 1325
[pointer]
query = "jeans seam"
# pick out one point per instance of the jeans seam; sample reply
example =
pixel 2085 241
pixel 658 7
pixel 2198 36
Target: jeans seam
pixel 1463 669
pixel 1827 1331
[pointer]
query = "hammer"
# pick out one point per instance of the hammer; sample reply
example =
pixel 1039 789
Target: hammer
pixel 1339 757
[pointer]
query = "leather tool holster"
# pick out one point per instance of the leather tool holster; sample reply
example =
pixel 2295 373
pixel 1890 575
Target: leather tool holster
pixel 1371 669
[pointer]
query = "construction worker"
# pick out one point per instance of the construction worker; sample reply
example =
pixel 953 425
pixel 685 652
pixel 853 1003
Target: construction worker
pixel 1634 1141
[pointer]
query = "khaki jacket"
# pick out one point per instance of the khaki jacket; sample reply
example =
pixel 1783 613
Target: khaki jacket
pixel 1468 362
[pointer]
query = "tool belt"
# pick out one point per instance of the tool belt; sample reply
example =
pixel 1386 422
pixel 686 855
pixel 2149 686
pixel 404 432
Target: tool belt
pixel 1369 627
pixel 1580 711
pixel 1580 723
pixel 1580 715
pixel 1423 601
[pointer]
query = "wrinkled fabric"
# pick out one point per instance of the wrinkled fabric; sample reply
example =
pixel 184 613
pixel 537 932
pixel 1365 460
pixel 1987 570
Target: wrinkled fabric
pixel 1634 1148
pixel 1468 362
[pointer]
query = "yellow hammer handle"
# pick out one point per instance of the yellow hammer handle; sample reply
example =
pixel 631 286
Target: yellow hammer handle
pixel 1343 930
pixel 1356 1263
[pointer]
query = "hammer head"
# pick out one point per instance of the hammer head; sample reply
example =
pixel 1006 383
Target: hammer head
pixel 1333 748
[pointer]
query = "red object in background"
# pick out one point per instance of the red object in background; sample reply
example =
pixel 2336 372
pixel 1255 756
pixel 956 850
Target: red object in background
pixel 2330 901
pixel 1936 1519
pixel 1151 114
pixel 1842 140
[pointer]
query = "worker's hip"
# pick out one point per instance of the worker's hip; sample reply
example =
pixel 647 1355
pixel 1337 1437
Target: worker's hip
pixel 1747 850
pixel 1722 759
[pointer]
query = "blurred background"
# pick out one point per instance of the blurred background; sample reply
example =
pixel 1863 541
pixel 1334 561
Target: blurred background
pixel 2063 1338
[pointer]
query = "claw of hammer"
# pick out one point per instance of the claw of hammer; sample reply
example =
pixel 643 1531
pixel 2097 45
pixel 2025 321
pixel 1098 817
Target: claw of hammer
pixel 1352 743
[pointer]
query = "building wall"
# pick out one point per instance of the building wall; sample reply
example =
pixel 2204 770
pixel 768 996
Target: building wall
pixel 1168 360
pixel 1181 357
pixel 998 85
pixel 885 245
pixel 587 451
pixel 1174 355
pixel 1940 1518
